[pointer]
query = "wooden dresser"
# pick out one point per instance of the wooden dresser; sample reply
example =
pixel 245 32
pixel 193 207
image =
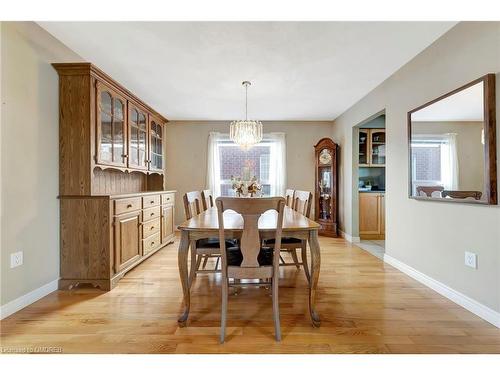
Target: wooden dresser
pixel 115 212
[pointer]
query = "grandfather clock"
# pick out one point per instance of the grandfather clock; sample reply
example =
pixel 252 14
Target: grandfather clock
pixel 326 197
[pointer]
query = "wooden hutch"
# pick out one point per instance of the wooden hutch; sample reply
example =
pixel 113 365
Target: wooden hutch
pixel 114 210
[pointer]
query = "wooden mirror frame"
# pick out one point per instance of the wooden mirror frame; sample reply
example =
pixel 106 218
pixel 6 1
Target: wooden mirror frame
pixel 490 154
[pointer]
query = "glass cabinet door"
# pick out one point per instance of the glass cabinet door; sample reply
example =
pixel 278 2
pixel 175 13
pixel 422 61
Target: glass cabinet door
pixel 137 139
pixel 156 145
pixel 363 147
pixel 325 189
pixel 111 138
pixel 377 147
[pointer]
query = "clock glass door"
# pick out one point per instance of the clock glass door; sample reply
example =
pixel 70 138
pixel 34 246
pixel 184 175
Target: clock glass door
pixel 325 188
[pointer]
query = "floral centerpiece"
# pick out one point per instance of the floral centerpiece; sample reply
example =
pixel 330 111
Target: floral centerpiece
pixel 243 188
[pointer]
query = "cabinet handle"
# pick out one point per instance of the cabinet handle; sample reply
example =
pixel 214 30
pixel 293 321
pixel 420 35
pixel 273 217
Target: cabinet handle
pixel 168 199
pixel 151 202
pixel 129 205
pixel 151 214
pixel 124 156
pixel 152 243
pixel 153 227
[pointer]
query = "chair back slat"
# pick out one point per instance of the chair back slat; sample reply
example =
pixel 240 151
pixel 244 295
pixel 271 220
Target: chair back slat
pixel 289 197
pixel 302 202
pixel 192 204
pixel 207 199
pixel 251 210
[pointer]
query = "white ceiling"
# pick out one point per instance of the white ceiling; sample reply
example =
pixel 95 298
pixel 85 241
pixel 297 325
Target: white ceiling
pixel 298 70
pixel 465 105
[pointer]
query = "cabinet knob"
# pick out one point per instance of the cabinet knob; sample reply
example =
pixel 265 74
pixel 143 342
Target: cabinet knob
pixel 153 227
pixel 151 202
pixel 151 214
pixel 129 205
pixel 152 243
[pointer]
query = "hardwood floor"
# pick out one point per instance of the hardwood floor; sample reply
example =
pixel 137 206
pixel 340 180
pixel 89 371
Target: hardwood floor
pixel 366 306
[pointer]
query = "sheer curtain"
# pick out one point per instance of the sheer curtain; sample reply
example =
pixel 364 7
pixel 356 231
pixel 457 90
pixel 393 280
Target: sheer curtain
pixel 449 162
pixel 213 162
pixel 277 170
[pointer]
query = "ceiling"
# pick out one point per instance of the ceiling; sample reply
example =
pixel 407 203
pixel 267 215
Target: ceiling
pixel 298 70
pixel 465 105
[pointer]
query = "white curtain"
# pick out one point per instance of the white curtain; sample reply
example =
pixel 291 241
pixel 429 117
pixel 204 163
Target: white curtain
pixel 213 163
pixel 449 162
pixel 277 170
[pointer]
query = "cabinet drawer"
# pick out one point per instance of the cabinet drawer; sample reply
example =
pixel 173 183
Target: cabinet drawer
pixel 151 213
pixel 127 205
pixel 150 227
pixel 167 198
pixel 150 243
pixel 150 201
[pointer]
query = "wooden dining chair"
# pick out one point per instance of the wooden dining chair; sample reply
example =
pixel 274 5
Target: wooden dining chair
pixel 207 199
pixel 249 259
pixel 426 191
pixel 289 193
pixel 302 201
pixel 202 249
pixel 462 194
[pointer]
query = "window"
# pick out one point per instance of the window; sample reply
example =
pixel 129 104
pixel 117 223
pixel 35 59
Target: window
pixel 265 161
pixel 434 161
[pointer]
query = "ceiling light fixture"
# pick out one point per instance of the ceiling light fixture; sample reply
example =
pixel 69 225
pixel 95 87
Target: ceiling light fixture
pixel 246 133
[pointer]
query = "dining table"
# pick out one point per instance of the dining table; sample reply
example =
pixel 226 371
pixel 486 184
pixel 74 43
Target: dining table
pixel 206 225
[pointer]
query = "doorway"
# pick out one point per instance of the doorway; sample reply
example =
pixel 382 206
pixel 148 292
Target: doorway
pixel 369 183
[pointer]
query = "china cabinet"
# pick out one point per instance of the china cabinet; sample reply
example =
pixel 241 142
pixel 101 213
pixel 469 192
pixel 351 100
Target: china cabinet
pixel 114 210
pixel 326 197
pixel 371 143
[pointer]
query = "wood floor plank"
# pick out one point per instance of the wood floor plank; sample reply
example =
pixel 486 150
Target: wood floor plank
pixel 366 306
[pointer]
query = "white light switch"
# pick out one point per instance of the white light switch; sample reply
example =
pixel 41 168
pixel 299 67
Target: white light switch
pixel 16 259
pixel 470 259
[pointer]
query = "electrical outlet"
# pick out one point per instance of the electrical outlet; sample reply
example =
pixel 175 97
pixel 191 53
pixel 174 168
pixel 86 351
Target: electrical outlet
pixel 16 259
pixel 470 259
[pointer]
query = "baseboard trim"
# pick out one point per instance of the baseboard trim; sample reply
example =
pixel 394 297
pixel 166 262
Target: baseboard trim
pixel 20 303
pixel 349 238
pixel 460 299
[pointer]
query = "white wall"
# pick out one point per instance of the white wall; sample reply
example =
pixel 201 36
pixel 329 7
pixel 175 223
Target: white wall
pixel 431 236
pixel 29 156
pixel 187 143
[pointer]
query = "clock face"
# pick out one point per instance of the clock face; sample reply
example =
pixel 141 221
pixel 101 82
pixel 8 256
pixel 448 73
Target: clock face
pixel 325 156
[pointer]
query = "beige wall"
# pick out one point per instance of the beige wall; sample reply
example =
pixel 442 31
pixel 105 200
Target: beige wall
pixel 29 156
pixel 431 236
pixel 187 143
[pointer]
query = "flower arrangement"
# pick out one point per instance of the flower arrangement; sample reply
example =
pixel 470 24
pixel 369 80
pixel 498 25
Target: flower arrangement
pixel 243 188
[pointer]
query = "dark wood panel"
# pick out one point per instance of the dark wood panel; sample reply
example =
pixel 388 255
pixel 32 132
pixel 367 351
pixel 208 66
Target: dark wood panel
pixel 74 135
pixel 85 238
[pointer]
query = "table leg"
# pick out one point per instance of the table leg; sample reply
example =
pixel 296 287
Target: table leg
pixel 315 266
pixel 183 271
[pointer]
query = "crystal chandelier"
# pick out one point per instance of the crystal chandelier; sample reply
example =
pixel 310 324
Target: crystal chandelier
pixel 246 133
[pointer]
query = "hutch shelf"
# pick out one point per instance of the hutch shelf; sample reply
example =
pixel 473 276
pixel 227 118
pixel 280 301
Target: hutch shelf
pixel 114 210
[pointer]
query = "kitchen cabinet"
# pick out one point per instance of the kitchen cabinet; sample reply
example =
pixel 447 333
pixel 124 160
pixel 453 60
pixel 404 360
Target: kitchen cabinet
pixel 372 147
pixel 372 215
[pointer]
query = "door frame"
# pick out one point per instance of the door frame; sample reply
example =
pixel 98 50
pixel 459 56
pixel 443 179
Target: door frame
pixel 355 173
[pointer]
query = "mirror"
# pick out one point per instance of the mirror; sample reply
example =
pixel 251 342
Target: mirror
pixel 452 146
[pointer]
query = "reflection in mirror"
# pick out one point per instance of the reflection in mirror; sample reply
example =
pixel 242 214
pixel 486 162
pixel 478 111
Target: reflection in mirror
pixel 448 159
